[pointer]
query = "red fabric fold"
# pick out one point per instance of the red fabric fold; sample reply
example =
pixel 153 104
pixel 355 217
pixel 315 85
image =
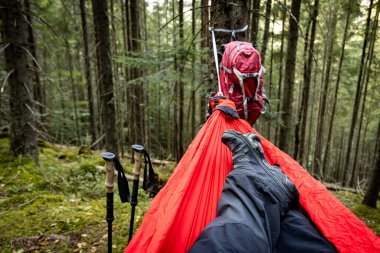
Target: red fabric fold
pixel 188 201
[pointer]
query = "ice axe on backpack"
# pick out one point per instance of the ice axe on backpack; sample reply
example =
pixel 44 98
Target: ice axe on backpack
pixel 215 51
pixel 111 163
pixel 214 100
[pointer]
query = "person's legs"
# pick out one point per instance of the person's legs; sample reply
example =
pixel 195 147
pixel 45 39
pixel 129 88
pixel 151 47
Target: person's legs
pixel 298 235
pixel 254 198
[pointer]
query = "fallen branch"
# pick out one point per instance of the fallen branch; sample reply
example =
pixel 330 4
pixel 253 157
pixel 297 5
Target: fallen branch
pixel 155 161
pixel 335 187
pixel 28 202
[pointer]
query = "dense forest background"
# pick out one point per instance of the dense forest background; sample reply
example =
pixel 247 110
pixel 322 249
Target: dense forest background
pixel 108 74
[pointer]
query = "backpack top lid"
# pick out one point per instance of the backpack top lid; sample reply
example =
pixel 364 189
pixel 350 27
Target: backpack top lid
pixel 241 55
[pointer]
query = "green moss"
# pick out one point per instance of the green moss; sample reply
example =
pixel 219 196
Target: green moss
pixel 370 216
pixel 70 155
pixel 349 199
pixel 88 167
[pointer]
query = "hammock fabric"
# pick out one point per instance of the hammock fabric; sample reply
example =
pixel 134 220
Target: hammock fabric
pixel 188 202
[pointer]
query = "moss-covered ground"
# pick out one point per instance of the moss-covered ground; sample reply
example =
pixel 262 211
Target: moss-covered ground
pixel 370 216
pixel 59 205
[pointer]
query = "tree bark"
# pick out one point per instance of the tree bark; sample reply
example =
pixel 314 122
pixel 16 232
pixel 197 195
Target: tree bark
pixel 338 167
pixel 318 158
pixel 204 60
pixel 193 91
pixel 229 15
pixel 87 72
pixel 270 83
pixel 138 89
pixel 300 133
pixel 180 84
pixel 255 22
pixel 287 102
pixel 372 192
pixel 335 99
pixel 73 91
pixel 347 177
pixel 159 120
pixel 310 144
pixel 23 134
pixel 38 88
pixel 118 86
pixel 268 10
pixel 147 132
pixel 106 86
pixel 366 75
pixel 280 69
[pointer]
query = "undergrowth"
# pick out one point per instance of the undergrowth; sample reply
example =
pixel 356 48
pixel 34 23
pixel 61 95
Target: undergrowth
pixel 59 205
pixel 370 216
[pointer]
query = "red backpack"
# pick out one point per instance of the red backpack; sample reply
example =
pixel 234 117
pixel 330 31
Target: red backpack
pixel 241 79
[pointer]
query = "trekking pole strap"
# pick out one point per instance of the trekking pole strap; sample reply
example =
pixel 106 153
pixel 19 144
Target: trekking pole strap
pixel 219 93
pixel 148 185
pixel 122 182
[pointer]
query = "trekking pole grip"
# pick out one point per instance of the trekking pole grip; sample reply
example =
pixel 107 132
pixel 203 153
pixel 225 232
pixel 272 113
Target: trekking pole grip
pixel 137 168
pixel 110 174
pixel 137 152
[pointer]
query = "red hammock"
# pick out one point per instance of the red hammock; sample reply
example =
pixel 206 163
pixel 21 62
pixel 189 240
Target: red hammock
pixel 188 202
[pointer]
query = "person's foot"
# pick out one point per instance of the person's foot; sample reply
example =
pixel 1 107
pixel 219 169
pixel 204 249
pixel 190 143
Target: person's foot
pixel 248 154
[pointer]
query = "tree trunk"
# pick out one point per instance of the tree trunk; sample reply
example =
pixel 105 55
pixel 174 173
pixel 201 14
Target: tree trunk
pixel 287 102
pixel 225 14
pixel 193 97
pixel 147 132
pixel 347 177
pixel 335 99
pixel 318 158
pixel 23 134
pixel 38 88
pixel 372 193
pixel 270 84
pixel 124 27
pixel 118 86
pixel 138 89
pixel 268 10
pixel 300 133
pixel 106 87
pixel 158 129
pixel 73 91
pixel 204 60
pixel 180 88
pixel 366 75
pixel 338 167
pixel 87 71
pixel 309 143
pixel 280 69
pixel 255 22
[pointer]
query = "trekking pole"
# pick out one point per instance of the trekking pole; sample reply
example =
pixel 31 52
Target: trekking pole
pixel 138 150
pixel 110 174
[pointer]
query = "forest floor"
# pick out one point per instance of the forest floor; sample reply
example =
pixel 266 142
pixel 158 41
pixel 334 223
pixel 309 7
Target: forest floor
pixel 59 206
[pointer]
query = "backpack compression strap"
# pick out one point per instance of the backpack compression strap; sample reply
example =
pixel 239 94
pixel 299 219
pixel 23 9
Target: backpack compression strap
pixel 241 77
